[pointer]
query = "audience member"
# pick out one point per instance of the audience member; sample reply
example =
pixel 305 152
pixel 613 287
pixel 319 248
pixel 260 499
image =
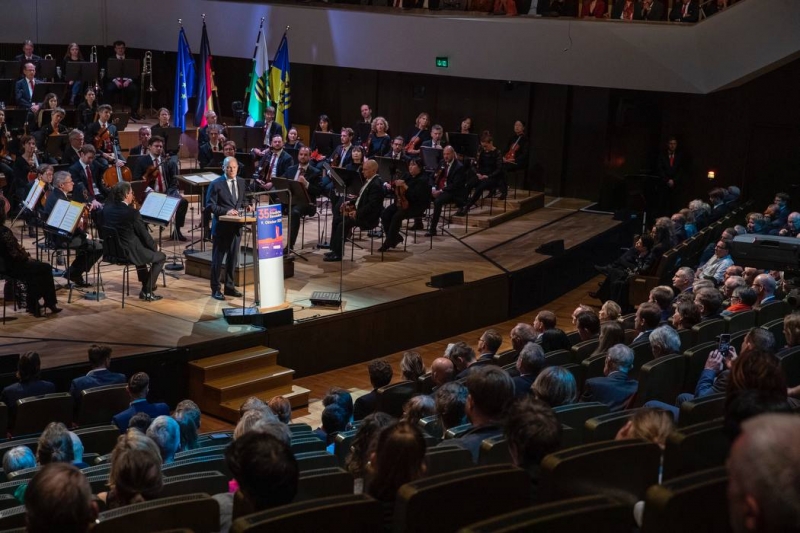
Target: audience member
pixel 662 296
pixel 18 458
pixel 451 405
pixel 187 415
pixel 135 474
pixel 548 335
pixel 138 388
pixel 731 283
pixel 709 303
pixel 588 324
pixel 683 280
pixel 716 198
pixel 463 356
pixel 653 425
pixel 742 299
pixel 756 224
pixel 167 435
pixel 442 371
pixel 756 369
pixel 648 317
pixel 28 384
pixel 764 285
pixel 664 340
pixel 334 420
pixel 282 409
pixel 609 311
pixel 380 375
pixel 611 333
pixel 529 363
pixel 689 227
pixel 792 227
pixel 417 408
pixel 555 386
pixel 687 315
pixel 249 419
pixel 77 451
pixel 255 403
pixel 140 422
pixel 340 397
pixel 59 498
pixel 520 335
pixel 99 375
pixel 54 445
pixel 750 274
pixel 488 344
pixel 411 366
pixel 781 215
pixel 714 268
pixel 363 446
pixel 791 332
pixel 748 404
pixel 616 387
pixel 733 270
pixel 275 428
pixel 532 432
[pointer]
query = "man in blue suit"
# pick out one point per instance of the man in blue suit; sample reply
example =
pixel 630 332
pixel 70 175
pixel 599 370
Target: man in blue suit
pixel 99 375
pixel 138 387
pixel 616 387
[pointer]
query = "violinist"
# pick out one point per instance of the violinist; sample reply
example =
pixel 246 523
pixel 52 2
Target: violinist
pixel 379 142
pixel 87 176
pixel 412 198
pixel 50 103
pixel 87 251
pixel 450 186
pixel 144 138
pixel 310 178
pixel 418 134
pixel 87 109
pixel 55 127
pixel 273 164
pixel 489 171
pixel 7 152
pixel 437 132
pixel 25 166
pixel 103 135
pixel 45 175
pixel 73 54
pixel 206 152
pixel 516 154
pixel 271 129
pixel 342 154
pixel 203 133
pixel 160 174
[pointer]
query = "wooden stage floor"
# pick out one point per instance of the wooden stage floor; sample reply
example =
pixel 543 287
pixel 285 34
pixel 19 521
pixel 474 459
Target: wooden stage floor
pixel 188 315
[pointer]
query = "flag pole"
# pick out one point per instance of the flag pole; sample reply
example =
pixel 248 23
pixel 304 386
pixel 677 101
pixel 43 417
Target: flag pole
pixel 255 51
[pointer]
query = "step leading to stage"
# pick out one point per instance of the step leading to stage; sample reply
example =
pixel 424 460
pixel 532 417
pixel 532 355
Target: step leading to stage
pixel 493 212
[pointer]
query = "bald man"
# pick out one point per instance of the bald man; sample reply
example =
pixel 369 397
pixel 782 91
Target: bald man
pixel 442 371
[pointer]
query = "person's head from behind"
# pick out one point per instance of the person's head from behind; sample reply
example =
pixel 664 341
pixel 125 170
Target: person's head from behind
pixel 167 435
pixel 687 315
pixel 364 442
pixel 59 498
pixel 28 367
pixel 451 402
pixel 747 404
pixel 411 366
pixel 755 369
pixel 140 422
pixel 662 296
pixel 759 339
pixel 532 432
pixel 490 341
pixel 611 333
pixel 763 474
pixel 555 386
pixel 709 301
pixel 334 419
pixel 282 409
pixel 380 373
pixel 18 458
pixel 417 408
pixel 187 415
pixel 55 445
pixel 588 323
pixel 462 355
pixel 619 359
pixel 274 427
pixel 544 320
pixel 399 458
pixel 135 474
pixel 265 469
pixel 653 425
pixel 139 385
pixel 342 398
pixel 99 356
pixel 442 371
pixel 744 295
pixel 491 390
pixel 522 334
pixel 249 419
pixel 664 340
pixel 531 359
pixel 648 316
pixel 791 329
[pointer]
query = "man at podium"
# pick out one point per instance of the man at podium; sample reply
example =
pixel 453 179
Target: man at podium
pixel 226 196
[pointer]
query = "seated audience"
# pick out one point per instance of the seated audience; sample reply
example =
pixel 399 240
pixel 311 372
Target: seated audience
pixel 756 224
pixel 756 369
pixel 380 375
pixel 532 432
pixel 488 344
pixel 254 403
pixel 28 384
pixel 549 336
pixel 653 425
pixel 616 387
pixel 638 260
pixel 792 227
pixel 709 303
pixel 266 474
pixel 742 299
pixel 187 415
pixel 363 446
pixel 135 474
pixel 747 404
pixel 664 340
pixel 54 445
pixel 648 317
pixel 714 268
pixel 719 208
pixel 417 408
pixel 342 398
pixel 451 405
pixel 275 428
pixel 77 451
pixel 764 285
pixel 99 375
pixel 687 315
pixel 791 332
pixel 463 356
pixel 140 422
pixel 138 388
pixel 18 458
pixel 611 333
pixel 610 311
pixel 750 275
pixel 734 270
pixel 442 371
pixel 683 280
pixel 679 227
pixel 588 324
pixel 662 296
pixel 520 335
pixel 334 420
pixel 249 420
pixel 689 227
pixel 555 386
pixel 167 435
pixel 731 282
pixel 411 366
pixel 59 499
pixel 530 362
pixel 701 211
pixel 282 409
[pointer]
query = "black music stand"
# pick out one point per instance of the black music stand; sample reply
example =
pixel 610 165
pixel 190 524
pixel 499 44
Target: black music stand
pixel 122 68
pixel 362 131
pixel 10 70
pixel 238 136
pixel 83 71
pixel 46 69
pixel 159 209
pixel 389 169
pixel 352 180
pixel 326 143
pixel 292 152
pixel 291 193
pixel 247 164
pixel 172 140
pixel 431 157
pixel 120 120
pixel 254 138
pixel 465 144
pixel 54 145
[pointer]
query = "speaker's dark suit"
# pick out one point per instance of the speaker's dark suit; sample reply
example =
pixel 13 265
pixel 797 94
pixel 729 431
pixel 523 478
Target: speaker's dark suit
pixel 226 234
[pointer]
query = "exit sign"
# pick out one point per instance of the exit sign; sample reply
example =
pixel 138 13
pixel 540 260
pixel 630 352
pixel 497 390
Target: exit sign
pixel 442 62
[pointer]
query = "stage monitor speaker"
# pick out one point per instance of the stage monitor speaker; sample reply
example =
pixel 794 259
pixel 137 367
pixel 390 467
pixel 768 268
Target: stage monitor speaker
pixel 553 248
pixel 448 279
pixel 249 315
pixel 768 252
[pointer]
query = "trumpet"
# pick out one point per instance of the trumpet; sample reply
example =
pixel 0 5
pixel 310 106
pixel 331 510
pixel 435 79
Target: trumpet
pixel 93 59
pixel 147 72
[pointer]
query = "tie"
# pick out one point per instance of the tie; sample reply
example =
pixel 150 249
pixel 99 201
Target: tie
pixel 30 82
pixel 685 9
pixel 302 172
pixel 160 186
pixel 271 169
pixel 671 159
pixel 89 178
pixel 234 192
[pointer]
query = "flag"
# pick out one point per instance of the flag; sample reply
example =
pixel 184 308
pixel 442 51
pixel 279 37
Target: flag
pixel 184 81
pixel 205 82
pixel 279 92
pixel 258 80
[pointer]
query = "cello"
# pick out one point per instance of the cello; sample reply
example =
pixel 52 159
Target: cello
pixel 115 174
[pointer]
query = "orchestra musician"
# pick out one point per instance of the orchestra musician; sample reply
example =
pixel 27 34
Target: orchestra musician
pixel 25 166
pixel 87 176
pixel 323 126
pixel 342 154
pixel 27 55
pixel 103 135
pixel 412 196
pixel 379 142
pixel 396 151
pixel 24 88
pixel 363 212
pixel 50 103
pixel 418 134
pixel 489 171
pixel 273 164
pixel 450 187
pixel 310 177
pixel 437 132
pixel 356 160
pixel 516 154
pixel 161 176
pixel 203 133
pixel 366 115
pixel 44 174
pixel 139 246
pixel 271 129
pixel 86 111
pixel 87 251
pixel 226 196
pixel 144 138
pixel 126 86
pixel 7 153
pixel 160 129
pixel 55 127
pixel 293 139
pixel 75 141
pixel 206 151
pixel 73 54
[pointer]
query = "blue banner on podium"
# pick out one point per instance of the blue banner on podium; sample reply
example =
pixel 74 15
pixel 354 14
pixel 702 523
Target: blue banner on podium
pixel 270 232
pixel 269 241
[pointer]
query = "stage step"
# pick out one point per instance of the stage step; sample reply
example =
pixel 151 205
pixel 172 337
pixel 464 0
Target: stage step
pixel 492 212
pixel 220 383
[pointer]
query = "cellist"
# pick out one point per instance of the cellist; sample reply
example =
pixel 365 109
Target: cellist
pixel 103 135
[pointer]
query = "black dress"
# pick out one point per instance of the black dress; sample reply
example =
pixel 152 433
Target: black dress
pixel 16 262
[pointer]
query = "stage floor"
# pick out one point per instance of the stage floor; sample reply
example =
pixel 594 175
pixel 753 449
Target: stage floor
pixel 187 314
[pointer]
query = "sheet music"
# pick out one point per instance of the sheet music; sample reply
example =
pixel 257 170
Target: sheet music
pixel 160 207
pixel 65 215
pixel 34 194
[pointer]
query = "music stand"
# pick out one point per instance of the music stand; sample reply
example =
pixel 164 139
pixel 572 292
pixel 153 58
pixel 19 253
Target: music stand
pixel 326 143
pixel 292 193
pixel 247 164
pixel 54 145
pixel 172 140
pixel 46 69
pixel 465 144
pixel 201 181
pixel 120 120
pixel 431 157
pixel 334 174
pixel 362 131
pixel 63 221
pixel 254 138
pixel 159 209
pixel 83 71
pixel 122 68
pixel 388 168
pixel 10 70
pixel 292 152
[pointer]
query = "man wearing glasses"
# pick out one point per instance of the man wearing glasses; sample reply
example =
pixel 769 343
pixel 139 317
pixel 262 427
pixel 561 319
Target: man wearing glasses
pixel 714 268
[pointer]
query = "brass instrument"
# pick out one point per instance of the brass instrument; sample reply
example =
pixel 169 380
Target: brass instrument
pixel 58 69
pixel 147 72
pixel 93 59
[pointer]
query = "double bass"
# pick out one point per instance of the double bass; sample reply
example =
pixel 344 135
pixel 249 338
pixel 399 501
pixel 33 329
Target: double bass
pixel 114 174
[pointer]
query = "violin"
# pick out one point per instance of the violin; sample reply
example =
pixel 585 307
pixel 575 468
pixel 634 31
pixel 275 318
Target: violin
pixel 5 141
pixel 400 188
pixel 414 143
pixel 4 202
pixel 439 178
pixel 32 172
pixel 511 155
pixel 316 156
pixel 102 141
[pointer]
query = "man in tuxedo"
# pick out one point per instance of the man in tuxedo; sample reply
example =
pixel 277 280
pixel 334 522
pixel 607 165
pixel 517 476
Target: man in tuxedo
pixel 161 174
pixel 87 252
pixel 226 196
pixel 273 164
pixel 72 152
pixel 616 387
pixel 27 55
pixel 455 191
pixel 364 212
pixel 310 178
pixel 144 137
pixel 650 10
pixel 212 145
pixel 549 336
pixel 271 129
pixel 97 130
pixel 684 11
pixel 397 151
pixel 87 177
pixel 23 89
pixel 342 155
pixel 135 239
pixel 124 85
pixel 436 138
pixel 417 193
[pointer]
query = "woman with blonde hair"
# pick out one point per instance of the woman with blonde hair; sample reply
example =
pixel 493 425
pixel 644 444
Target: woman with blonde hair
pixel 610 311
pixel 135 474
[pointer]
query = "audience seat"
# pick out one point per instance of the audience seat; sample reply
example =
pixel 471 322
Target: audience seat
pixel 425 383
pixel 25 473
pixel 790 364
pixel 312 444
pixel 218 438
pixel 694 448
pixel 10 487
pixel 772 311
pixel 419 504
pixel 34 413
pixel 605 427
pixel 592 368
pixel 447 459
pixel 392 398
pixel 776 328
pixel 577 373
pixel 694 503
pixel 630 334
pixel 505 358
pixel 597 514
pixel 200 452
pixel 431 426
pixel 575 415
pixel 323 483
pixel 315 460
pixel 99 439
pixel 494 451
pixel 98 405
pixel 7 501
pixel 457 431
pixel 620 469
pixel 741 321
pixel 198 512
pixel 298 427
pixel 642 353
pixel 708 331
pixel 661 379
pixel 101 469
pixel 687 337
pixel 583 349
pixel 737 339
pixel 3 419
pixel 511 369
pixel 557 358
pixel 341 445
pixel 356 513
pixel 206 463
pixel 210 482
pixel 12 517
pixel 570 438
pixel 99 483
pixel 574 337
pixel 696 358
pixel 702 409
pixel 628 321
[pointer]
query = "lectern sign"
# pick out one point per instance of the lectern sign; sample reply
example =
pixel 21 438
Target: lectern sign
pixel 269 241
pixel 270 232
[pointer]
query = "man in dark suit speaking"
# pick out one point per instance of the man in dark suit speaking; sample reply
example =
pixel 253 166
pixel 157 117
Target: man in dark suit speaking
pixel 226 196
pixel 134 239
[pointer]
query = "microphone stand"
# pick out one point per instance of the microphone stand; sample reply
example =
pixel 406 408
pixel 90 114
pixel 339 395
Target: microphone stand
pixel 338 181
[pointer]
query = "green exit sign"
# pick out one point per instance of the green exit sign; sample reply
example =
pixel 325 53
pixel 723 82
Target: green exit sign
pixel 442 62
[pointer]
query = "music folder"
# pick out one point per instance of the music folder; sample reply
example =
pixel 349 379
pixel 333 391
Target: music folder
pixel 33 195
pixel 158 208
pixel 85 71
pixel 65 216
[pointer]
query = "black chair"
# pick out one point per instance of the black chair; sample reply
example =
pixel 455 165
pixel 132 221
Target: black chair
pixel 598 514
pixel 218 438
pixel 505 358
pixel 34 413
pixel 494 451
pixel 575 415
pixel 642 353
pixel 695 362
pixel 3 419
pixel 573 337
pixel 708 331
pixel 419 503
pixel 425 383
pixel 98 483
pixel 577 373
pixel 776 328
pixel 98 405
pixel 308 445
pixel 315 460
pixel 299 428
pixel 198 512
pixel 12 517
pixel 392 398
pixel 661 379
pixel 447 459
pixel 592 367
pixel 25 473
pixel 694 448
pixel 557 358
pixel 694 503
pixel 432 426
pixel 511 369
pixel 10 487
pixel 687 338
pixel 206 463
pixel 630 335
pixel 200 452
pixel 99 439
pixel 583 349
pixel 628 321
pixel 8 501
pixel 323 483
pixel 772 311
pixel 790 364
pixel 741 321
pixel 355 513
pixel 570 438
pixel 200 482
pixel 341 445
pixel 622 469
pixel 114 254
pixel 704 409
pixel 457 431
pixel 605 427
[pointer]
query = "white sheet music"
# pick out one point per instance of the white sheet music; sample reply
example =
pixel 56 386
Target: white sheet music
pixel 65 215
pixel 160 207
pixel 34 194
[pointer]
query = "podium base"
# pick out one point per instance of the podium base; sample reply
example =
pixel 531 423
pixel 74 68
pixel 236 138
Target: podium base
pixel 256 317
